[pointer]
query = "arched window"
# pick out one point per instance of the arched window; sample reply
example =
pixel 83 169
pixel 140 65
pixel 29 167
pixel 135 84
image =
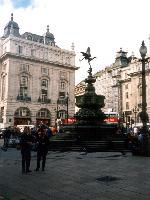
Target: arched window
pixel 22 112
pixel 44 83
pixel 43 113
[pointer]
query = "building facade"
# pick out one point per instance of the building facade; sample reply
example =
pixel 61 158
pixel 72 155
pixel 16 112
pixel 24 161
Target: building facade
pixel 121 84
pixel 36 78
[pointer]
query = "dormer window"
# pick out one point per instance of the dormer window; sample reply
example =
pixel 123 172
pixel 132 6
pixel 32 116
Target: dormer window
pixel 29 37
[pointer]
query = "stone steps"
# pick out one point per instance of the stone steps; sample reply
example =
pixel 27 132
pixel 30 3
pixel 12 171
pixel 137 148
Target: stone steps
pixel 90 146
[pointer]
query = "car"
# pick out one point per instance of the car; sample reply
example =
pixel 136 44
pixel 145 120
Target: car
pixel 13 142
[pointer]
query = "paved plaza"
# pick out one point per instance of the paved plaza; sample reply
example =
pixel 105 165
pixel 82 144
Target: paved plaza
pixel 76 176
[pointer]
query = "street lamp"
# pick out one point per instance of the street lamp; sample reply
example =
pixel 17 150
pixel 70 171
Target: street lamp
pixel 67 100
pixel 143 115
pixel 57 109
pixel 135 110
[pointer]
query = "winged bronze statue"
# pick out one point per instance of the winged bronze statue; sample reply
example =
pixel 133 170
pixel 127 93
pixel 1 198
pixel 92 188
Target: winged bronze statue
pixel 87 55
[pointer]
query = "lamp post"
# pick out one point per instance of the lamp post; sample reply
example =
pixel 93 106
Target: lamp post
pixel 56 112
pixel 67 100
pixel 143 115
pixel 135 110
pixel 57 109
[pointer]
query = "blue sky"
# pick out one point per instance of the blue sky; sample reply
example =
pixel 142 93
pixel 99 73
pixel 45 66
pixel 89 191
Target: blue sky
pixel 21 3
pixel 104 25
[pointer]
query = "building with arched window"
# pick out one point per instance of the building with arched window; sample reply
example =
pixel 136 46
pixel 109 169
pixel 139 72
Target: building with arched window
pixel 35 77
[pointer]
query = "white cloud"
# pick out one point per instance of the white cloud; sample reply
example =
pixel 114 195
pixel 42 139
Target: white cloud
pixel 104 25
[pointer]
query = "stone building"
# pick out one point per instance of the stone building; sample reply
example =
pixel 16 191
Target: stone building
pixel 121 84
pixel 36 76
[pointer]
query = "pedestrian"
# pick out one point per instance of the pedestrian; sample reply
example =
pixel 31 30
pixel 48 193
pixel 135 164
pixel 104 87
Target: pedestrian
pixel 26 146
pixel 59 124
pixel 42 148
pixel 49 132
pixel 7 134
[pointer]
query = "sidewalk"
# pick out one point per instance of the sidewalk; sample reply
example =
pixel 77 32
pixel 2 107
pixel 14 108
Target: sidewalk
pixel 76 176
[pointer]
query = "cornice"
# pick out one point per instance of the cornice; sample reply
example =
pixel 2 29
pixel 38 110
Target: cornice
pixel 38 45
pixel 37 60
pixel 138 72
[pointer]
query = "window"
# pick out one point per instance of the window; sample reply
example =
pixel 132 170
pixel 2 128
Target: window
pixel 3 86
pixel 20 49
pixel 32 52
pixel 140 81
pixel 62 85
pixel 140 91
pixel 63 75
pixel 126 86
pixel 24 86
pixel 127 105
pixel 43 95
pixel 44 90
pixel 29 37
pixel 43 113
pixel 24 81
pixel 24 67
pixel 62 114
pixel 23 112
pixel 44 71
pixel 44 83
pixel 61 95
pixel 127 95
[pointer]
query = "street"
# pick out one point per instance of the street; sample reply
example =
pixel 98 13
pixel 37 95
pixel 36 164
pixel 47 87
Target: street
pixel 74 176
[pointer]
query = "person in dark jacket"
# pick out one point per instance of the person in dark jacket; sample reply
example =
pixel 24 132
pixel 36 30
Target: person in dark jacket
pixel 42 148
pixel 7 134
pixel 26 146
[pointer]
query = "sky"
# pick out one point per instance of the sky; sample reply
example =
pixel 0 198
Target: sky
pixel 103 25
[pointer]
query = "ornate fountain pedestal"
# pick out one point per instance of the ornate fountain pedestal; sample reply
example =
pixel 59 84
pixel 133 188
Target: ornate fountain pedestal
pixel 89 132
pixel 90 125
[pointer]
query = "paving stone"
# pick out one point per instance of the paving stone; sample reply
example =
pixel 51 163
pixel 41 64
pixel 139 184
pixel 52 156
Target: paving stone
pixel 73 176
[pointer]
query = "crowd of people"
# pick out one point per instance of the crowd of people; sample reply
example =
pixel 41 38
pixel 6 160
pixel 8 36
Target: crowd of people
pixel 31 139
pixel 38 139
pixel 134 138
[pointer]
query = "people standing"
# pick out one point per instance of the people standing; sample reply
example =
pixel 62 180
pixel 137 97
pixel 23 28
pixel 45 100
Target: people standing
pixel 59 124
pixel 42 148
pixel 26 146
pixel 7 134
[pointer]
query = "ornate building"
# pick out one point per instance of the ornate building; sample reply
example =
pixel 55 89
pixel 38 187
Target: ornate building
pixel 121 85
pixel 36 76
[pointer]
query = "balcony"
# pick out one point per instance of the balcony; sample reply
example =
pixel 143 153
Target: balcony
pixel 44 101
pixel 23 98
